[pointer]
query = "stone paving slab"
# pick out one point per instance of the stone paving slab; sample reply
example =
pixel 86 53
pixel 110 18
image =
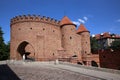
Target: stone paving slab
pixel 93 73
pixel 51 71
pixel 46 72
pixel 39 71
pixel 88 72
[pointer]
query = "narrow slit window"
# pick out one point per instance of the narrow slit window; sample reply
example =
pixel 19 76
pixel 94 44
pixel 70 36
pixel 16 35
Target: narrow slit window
pixel 70 37
pixel 43 29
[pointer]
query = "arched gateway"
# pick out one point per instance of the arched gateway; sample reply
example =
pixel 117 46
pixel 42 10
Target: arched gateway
pixel 26 51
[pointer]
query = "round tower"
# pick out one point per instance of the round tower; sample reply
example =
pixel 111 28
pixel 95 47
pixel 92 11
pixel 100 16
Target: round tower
pixel 68 30
pixel 32 37
pixel 85 40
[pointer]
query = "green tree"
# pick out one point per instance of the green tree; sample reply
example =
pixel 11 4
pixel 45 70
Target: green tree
pixel 4 49
pixel 94 44
pixel 8 50
pixel 115 45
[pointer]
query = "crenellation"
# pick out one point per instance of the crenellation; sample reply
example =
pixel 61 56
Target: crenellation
pixel 48 19
pixel 55 20
pixel 21 17
pixel 52 20
pixel 34 18
pixel 58 22
pixel 34 15
pixel 14 19
pixel 44 19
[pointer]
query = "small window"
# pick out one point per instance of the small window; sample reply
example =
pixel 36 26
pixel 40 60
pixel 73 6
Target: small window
pixel 30 28
pixel 53 30
pixel 43 29
pixel 19 29
pixel 70 37
pixel 62 35
pixel 53 54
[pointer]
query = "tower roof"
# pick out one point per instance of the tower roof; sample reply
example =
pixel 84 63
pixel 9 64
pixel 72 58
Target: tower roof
pixel 82 28
pixel 65 20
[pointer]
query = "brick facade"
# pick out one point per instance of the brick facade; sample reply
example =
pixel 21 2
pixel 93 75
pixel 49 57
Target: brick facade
pixel 46 39
pixel 110 59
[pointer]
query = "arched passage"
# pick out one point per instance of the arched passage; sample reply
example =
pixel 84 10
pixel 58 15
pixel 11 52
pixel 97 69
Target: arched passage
pixel 26 51
pixel 79 63
pixel 93 63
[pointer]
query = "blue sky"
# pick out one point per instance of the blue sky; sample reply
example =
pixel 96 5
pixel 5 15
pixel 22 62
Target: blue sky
pixel 97 15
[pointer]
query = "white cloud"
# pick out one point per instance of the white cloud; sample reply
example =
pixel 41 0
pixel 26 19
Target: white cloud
pixel 76 22
pixel 81 20
pixel 85 18
pixel 118 20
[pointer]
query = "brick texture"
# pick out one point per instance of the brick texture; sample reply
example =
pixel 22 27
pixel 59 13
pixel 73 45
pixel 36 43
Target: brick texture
pixel 46 39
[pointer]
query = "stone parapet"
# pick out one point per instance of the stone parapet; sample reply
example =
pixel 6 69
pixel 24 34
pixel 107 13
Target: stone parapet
pixel 34 18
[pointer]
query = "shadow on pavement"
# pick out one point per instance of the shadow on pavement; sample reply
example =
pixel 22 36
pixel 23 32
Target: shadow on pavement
pixel 7 74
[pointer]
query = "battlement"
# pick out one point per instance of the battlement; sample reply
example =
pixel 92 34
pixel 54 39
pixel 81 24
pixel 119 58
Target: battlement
pixel 34 18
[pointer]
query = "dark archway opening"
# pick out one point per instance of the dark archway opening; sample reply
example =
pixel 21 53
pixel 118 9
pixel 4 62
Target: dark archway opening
pixel 93 63
pixel 85 62
pixel 23 53
pixel 79 63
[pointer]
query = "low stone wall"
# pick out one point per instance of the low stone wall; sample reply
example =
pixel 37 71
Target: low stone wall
pixel 27 62
pixel 92 68
pixel 63 63
pixel 2 62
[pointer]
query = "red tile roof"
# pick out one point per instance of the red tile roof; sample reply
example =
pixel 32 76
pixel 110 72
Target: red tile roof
pixel 106 35
pixel 97 36
pixel 82 28
pixel 65 20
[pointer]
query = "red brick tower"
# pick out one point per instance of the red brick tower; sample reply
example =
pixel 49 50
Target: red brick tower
pixel 36 37
pixel 85 42
pixel 69 38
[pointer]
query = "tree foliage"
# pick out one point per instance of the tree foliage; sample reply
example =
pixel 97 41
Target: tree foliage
pixel 4 48
pixel 115 45
pixel 94 44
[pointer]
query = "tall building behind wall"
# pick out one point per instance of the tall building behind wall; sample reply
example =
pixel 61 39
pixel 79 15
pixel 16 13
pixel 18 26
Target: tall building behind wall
pixel 42 38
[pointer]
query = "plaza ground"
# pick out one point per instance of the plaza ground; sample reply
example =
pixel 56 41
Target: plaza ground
pixel 51 71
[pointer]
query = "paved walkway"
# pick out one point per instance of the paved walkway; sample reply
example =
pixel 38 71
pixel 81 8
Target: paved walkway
pixel 50 71
pixel 88 72
pixel 93 73
pixel 47 72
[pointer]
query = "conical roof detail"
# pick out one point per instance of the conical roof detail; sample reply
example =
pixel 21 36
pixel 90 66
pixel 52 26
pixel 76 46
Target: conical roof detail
pixel 82 28
pixel 65 20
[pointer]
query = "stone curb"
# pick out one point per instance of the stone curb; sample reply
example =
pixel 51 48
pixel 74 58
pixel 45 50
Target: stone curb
pixel 92 68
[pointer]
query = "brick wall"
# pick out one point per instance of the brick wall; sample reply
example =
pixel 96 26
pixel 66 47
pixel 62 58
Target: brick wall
pixel 109 59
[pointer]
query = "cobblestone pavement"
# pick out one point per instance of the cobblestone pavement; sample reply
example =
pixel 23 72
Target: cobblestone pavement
pixel 46 72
